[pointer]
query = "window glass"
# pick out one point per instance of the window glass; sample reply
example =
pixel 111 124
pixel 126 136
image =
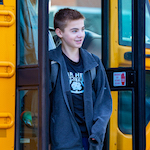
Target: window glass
pixel 147 32
pixel 147 96
pixel 28 32
pixel 92 13
pixel 28 119
pixel 125 111
pixel 125 22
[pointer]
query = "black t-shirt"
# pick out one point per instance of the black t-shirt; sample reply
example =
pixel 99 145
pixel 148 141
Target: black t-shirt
pixel 75 73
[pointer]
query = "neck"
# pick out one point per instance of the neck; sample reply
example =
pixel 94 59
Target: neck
pixel 72 54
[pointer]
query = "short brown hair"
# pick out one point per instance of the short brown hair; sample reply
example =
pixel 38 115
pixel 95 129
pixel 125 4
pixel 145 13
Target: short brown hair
pixel 64 15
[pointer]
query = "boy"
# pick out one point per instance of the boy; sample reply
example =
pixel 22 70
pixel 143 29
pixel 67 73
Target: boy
pixel 80 107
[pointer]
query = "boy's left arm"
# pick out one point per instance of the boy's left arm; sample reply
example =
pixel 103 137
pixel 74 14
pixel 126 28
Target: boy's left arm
pixel 102 107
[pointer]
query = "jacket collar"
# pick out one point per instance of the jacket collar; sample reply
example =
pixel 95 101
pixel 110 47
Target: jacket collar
pixel 88 60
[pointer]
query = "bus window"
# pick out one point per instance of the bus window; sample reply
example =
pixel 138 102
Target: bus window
pixel 28 55
pixel 147 30
pixel 28 119
pixel 92 12
pixel 147 96
pixel 28 32
pixel 125 112
pixel 123 51
pixel 125 23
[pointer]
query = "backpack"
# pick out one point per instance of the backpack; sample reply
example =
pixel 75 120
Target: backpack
pixel 54 73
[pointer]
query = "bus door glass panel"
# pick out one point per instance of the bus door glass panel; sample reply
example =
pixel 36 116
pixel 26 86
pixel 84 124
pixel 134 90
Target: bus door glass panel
pixel 92 13
pixel 125 112
pixel 28 119
pixel 125 43
pixel 28 53
pixel 125 33
pixel 125 107
pixel 27 56
pixel 125 22
pixel 147 29
pixel 147 108
pixel 147 88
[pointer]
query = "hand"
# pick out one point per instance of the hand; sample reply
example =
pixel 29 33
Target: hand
pixel 93 139
pixel 49 146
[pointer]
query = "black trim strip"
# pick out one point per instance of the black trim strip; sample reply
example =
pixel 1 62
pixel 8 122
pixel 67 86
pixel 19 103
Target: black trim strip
pixel 43 75
pixel 28 77
pixel 105 51
pixel 138 48
pixel 105 33
pixel 1 2
pixel 17 106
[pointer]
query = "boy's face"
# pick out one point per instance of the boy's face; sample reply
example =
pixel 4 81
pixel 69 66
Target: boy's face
pixel 73 34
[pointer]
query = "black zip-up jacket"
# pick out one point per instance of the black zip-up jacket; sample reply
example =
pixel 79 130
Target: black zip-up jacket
pixel 65 133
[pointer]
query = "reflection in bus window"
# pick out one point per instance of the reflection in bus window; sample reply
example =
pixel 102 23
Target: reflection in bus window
pixel 147 96
pixel 51 44
pixel 125 22
pixel 28 32
pixel 92 15
pixel 28 119
pixel 125 112
pixel 147 30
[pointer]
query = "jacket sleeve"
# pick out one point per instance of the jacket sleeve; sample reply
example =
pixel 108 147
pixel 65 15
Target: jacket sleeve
pixel 102 106
pixel 49 79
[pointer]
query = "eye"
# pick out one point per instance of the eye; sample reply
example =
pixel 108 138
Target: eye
pixel 74 31
pixel 83 29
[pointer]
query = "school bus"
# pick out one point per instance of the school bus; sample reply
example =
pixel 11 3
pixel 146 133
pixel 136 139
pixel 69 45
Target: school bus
pixel 27 34
pixel 121 56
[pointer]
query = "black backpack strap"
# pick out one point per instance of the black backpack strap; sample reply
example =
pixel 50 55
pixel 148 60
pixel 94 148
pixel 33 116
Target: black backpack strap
pixel 54 72
pixel 93 73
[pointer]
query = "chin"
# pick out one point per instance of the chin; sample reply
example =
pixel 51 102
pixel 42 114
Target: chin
pixel 79 46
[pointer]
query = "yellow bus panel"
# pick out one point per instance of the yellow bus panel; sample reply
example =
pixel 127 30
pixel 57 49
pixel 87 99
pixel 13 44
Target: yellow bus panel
pixel 7 73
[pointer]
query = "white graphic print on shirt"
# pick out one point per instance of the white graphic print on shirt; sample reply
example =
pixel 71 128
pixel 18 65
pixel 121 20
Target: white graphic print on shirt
pixel 76 82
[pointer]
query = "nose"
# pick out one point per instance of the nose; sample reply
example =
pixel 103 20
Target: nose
pixel 81 33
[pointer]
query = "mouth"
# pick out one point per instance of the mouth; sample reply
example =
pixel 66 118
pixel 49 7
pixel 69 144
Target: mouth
pixel 79 41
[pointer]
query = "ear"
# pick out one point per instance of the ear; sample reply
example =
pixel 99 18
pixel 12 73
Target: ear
pixel 58 32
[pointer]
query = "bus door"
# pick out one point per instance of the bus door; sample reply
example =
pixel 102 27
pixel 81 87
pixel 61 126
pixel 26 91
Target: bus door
pixel 31 86
pixel 33 41
pixel 35 36
pixel 7 73
pixel 128 73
